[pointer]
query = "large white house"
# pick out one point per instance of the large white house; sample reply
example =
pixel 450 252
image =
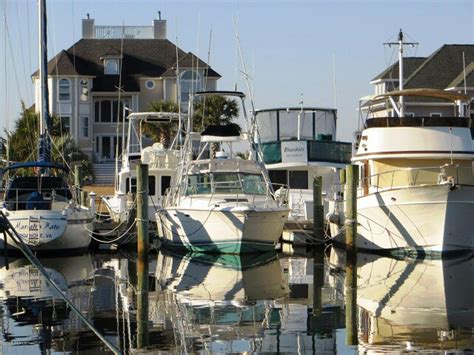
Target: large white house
pixel 116 66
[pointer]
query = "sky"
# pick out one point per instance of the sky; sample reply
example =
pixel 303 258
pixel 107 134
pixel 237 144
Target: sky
pixel 323 51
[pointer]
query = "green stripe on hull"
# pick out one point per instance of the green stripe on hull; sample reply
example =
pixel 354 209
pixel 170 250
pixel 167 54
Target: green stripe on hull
pixel 240 247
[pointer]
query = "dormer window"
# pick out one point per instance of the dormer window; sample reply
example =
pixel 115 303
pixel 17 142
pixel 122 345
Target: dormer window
pixel 111 66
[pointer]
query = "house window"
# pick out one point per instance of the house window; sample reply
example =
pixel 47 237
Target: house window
pixel 65 122
pixel 436 114
pixel 64 90
pixel 84 126
pixel 109 110
pixel 111 66
pixel 150 84
pixel 190 82
pixel 84 87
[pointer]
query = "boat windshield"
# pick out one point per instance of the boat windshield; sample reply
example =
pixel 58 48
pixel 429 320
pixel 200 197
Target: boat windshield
pixel 226 182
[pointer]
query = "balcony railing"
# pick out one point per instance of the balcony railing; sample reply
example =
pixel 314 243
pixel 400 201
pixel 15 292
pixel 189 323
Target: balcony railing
pixel 131 32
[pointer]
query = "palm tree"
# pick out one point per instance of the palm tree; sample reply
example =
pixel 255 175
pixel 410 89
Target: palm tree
pixel 215 110
pixel 23 142
pixel 161 133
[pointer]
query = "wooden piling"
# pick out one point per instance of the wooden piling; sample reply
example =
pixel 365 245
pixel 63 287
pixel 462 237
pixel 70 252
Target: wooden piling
pixel 318 279
pixel 318 209
pixel 351 299
pixel 352 177
pixel 142 250
pixel 342 176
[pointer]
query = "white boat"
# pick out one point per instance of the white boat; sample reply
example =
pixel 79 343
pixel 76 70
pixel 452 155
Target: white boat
pixel 298 144
pixel 416 191
pixel 162 164
pixel 42 207
pixel 222 204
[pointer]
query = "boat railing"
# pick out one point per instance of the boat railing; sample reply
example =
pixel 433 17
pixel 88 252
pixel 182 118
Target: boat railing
pixel 447 174
pixel 248 193
pixel 17 199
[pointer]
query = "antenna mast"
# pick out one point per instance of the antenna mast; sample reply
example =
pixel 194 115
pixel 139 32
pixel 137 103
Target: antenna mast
pixel 400 45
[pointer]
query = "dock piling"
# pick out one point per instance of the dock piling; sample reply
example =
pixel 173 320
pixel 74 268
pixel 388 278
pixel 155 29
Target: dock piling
pixel 142 250
pixel 352 180
pixel 318 209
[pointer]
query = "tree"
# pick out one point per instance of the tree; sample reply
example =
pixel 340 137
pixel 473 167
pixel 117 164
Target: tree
pixel 164 131
pixel 23 142
pixel 215 110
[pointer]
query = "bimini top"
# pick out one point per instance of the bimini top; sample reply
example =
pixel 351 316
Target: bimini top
pixel 216 133
pixel 433 93
pixel 156 117
pixel 222 93
pixel 36 164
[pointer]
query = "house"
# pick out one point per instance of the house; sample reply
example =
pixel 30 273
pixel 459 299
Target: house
pixel 116 67
pixel 444 69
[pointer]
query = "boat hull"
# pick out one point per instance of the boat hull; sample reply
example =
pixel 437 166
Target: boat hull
pixel 50 230
pixel 222 231
pixel 423 219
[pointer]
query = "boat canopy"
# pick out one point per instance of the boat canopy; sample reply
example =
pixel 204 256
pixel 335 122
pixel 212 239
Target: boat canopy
pixel 36 164
pixel 433 93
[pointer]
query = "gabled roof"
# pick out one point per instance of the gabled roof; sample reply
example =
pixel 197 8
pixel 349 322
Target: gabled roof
pixel 141 58
pixel 410 64
pixel 190 61
pixel 440 69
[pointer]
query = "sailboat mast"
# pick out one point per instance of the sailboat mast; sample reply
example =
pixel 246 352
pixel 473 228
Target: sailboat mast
pixel 400 71
pixel 43 77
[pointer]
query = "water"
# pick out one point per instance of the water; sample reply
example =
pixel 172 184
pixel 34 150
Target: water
pixel 266 303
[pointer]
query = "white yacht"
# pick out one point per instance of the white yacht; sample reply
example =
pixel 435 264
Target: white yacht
pixel 298 144
pixel 223 203
pixel 416 191
pixel 41 206
pixel 162 164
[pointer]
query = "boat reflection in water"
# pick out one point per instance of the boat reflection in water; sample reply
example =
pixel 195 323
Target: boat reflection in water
pixel 220 302
pixel 33 315
pixel 415 304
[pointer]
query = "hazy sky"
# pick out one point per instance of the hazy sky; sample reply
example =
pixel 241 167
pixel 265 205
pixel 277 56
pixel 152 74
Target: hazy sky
pixel 289 46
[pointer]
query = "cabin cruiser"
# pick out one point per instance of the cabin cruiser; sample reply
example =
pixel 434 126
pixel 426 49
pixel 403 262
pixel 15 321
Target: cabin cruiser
pixel 223 203
pixel 298 144
pixel 416 191
pixel 162 163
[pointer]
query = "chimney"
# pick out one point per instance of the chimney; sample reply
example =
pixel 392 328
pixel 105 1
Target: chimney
pixel 88 28
pixel 159 28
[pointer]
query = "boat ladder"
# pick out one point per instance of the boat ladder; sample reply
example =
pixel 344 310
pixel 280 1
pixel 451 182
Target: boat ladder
pixel 34 230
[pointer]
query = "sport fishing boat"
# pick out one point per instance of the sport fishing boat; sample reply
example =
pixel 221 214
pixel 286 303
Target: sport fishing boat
pixel 162 163
pixel 42 207
pixel 416 191
pixel 221 203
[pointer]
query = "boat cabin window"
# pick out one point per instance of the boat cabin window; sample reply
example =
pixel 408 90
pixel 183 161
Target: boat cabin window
pixel 165 184
pixel 298 179
pixel 31 192
pixel 227 182
pixel 278 178
pixel 132 186
pixel 294 179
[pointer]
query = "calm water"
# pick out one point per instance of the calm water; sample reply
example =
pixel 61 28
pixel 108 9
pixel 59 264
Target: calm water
pixel 270 303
